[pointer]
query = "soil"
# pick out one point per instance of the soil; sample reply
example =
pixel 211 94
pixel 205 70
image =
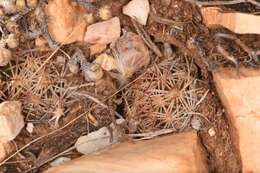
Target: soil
pixel 189 37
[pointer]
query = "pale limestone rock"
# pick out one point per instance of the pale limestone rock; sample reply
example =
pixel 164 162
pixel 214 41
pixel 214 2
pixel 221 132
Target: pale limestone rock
pixel 103 32
pixel 180 153
pixel 138 10
pixel 241 99
pixel 11 120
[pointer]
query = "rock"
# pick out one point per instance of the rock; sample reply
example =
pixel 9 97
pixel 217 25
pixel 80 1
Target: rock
pixel 241 99
pixel 11 120
pixel 59 161
pixel 41 43
pixel 106 61
pixel 5 149
pixel 12 41
pixel 132 54
pixel 240 23
pixel 97 48
pixel 30 127
pixel 137 10
pixel 212 132
pixel 94 141
pixel 5 56
pixel 103 32
pixel 66 21
pixel 180 153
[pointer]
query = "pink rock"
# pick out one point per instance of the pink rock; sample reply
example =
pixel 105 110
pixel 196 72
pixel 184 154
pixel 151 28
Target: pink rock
pixel 5 149
pixel 178 153
pixel 103 32
pixel 241 99
pixel 11 120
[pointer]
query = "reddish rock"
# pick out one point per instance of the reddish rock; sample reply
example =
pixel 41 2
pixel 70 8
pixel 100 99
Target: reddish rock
pixel 67 22
pixel 5 149
pixel 180 153
pixel 103 32
pixel 11 120
pixel 97 48
pixel 241 99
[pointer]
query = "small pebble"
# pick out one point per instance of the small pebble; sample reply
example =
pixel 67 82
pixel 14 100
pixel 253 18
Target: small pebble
pixel 5 56
pixel 30 127
pixel 212 132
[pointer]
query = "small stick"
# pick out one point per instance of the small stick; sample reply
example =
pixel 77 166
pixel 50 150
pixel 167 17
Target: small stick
pixel 252 54
pixel 223 52
pixel 150 135
pixel 146 38
pixel 165 21
pixel 212 3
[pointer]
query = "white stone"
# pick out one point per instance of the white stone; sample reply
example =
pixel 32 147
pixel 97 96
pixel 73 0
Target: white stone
pixel 138 10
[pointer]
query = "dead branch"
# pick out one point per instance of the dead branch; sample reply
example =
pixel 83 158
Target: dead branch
pixel 146 38
pixel 213 3
pixel 251 53
pixel 150 135
pixel 165 21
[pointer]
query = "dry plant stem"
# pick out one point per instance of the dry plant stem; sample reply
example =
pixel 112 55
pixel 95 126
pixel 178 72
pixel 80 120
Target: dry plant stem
pixel 150 135
pixel 146 38
pixel 165 21
pixel 98 102
pixel 252 54
pixel 223 52
pixel 212 3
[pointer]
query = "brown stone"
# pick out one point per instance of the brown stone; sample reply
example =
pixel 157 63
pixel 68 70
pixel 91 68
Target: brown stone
pixel 11 120
pixel 67 22
pixel 168 154
pixel 241 99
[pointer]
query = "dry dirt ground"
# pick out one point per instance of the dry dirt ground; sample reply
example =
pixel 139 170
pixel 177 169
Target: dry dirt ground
pixel 188 37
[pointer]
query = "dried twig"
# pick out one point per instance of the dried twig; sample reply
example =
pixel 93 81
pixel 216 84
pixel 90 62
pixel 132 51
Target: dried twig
pixel 223 52
pixel 165 21
pixel 146 38
pixel 150 135
pixel 251 53
pixel 212 3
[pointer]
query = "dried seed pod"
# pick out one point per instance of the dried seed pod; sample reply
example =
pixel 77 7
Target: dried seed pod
pixel 5 56
pixel 32 3
pixel 8 6
pixel 73 66
pixel 105 12
pixel 12 27
pixel 20 4
pixel 12 41
pixel 93 73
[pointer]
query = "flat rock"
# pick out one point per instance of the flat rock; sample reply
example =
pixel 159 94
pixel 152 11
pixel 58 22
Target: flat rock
pixel 174 153
pixel 103 32
pixel 138 10
pixel 11 120
pixel 241 99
